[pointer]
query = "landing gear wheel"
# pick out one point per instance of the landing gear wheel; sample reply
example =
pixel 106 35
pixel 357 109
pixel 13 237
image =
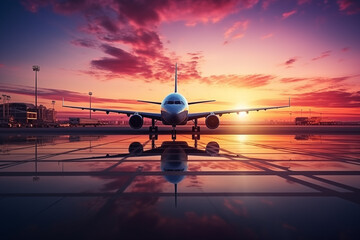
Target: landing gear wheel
pixel 195 136
pixel 173 134
pixel 195 128
pixel 153 136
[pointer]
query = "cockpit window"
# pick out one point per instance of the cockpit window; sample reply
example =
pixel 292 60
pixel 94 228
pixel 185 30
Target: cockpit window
pixel 175 102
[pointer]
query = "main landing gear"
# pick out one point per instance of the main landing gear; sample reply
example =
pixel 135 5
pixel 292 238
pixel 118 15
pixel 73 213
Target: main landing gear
pixel 173 133
pixel 195 131
pixel 195 128
pixel 153 130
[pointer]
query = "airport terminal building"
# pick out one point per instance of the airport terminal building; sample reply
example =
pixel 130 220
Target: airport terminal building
pixel 25 114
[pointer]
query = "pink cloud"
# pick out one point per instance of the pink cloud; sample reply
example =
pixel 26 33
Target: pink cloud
pixel 309 83
pixel 58 94
pixel 236 31
pixel 301 2
pixel 238 36
pixel 269 35
pixel 288 14
pixel 290 62
pixel 349 7
pixel 84 43
pixel 345 49
pixel 246 81
pixel 323 55
pixel 2 65
pixel 135 24
pixel 240 25
pixel 266 3
pixel 334 99
pixel 293 80
pixel 322 99
pixel 122 62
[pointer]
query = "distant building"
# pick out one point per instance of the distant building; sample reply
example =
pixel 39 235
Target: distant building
pixel 18 113
pixel 301 120
pixel 25 114
pixel 307 121
pixel 46 114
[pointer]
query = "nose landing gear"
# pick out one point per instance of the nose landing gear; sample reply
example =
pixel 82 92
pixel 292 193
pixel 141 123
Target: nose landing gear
pixel 173 133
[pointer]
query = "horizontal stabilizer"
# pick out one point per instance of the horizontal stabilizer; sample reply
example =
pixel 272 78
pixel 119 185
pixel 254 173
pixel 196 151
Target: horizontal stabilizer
pixel 159 103
pixel 206 101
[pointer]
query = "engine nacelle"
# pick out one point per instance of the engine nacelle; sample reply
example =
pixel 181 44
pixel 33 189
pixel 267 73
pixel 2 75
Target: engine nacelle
pixel 212 148
pixel 212 121
pixel 136 148
pixel 136 121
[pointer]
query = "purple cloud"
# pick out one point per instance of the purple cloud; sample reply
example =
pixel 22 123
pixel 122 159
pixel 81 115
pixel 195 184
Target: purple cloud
pixel 323 55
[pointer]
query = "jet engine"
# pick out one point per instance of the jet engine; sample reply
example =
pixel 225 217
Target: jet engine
pixel 136 148
pixel 136 121
pixel 212 121
pixel 212 148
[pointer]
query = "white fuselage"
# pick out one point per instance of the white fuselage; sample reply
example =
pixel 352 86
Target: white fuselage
pixel 174 110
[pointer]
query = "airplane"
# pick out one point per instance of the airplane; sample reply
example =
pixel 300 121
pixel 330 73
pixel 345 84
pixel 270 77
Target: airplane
pixel 173 157
pixel 174 110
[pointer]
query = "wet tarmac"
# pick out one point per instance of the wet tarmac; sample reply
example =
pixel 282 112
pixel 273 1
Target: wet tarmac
pixel 70 186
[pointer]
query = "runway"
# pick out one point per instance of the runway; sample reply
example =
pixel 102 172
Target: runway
pixel 223 129
pixel 238 186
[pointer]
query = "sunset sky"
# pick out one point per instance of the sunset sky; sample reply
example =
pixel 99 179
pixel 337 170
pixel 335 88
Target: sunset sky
pixel 245 53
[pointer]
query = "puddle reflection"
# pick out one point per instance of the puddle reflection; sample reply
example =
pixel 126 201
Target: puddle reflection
pixel 253 186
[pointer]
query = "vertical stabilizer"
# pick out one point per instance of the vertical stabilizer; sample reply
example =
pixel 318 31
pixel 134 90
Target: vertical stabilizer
pixel 175 77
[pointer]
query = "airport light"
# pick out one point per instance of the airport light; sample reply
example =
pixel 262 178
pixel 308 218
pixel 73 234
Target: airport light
pixel 90 93
pixel 36 69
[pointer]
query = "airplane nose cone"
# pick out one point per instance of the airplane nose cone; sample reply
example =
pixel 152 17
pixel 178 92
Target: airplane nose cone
pixel 173 118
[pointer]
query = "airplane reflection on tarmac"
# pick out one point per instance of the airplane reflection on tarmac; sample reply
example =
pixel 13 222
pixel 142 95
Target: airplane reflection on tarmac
pixel 174 166
pixel 174 157
pixel 132 187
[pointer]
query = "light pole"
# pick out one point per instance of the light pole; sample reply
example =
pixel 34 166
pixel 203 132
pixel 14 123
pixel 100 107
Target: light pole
pixel 53 115
pixel 8 107
pixel 36 69
pixel 90 93
pixel 4 98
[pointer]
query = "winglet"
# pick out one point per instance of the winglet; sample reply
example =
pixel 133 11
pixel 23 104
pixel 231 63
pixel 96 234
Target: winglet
pixel 289 102
pixel 175 77
pixel 63 102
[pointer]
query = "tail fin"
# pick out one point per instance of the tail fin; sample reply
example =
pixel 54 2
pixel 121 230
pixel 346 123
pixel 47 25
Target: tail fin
pixel 175 77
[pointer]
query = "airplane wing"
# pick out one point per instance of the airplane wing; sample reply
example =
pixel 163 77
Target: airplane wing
pixel 192 116
pixel 156 116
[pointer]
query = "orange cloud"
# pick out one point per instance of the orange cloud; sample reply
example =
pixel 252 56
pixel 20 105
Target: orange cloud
pixel 248 81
